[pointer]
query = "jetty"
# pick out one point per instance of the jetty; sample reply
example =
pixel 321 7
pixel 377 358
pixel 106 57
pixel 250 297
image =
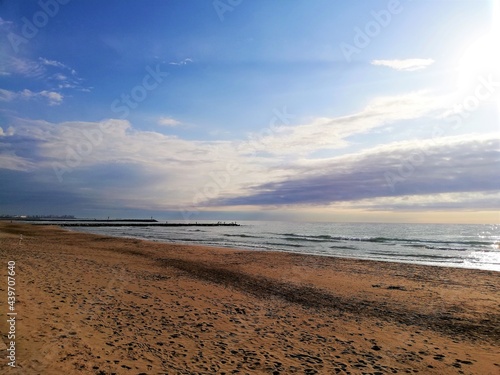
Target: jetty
pixel 139 224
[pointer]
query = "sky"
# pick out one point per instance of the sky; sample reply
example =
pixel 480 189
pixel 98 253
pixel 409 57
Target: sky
pixel 300 110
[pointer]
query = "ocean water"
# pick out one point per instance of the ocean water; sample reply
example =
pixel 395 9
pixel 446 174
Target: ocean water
pixel 452 245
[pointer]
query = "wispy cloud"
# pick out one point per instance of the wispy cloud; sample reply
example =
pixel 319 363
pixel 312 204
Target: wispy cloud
pixel 12 162
pixel 26 67
pixel 408 65
pixel 168 121
pixel 477 200
pixel 333 133
pixel 5 24
pixel 44 70
pixel 54 63
pixel 182 62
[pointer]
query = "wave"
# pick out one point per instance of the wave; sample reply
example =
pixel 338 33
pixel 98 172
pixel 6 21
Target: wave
pixel 390 240
pixel 305 239
pixel 282 244
pixel 241 235
pixel 418 256
pixel 344 247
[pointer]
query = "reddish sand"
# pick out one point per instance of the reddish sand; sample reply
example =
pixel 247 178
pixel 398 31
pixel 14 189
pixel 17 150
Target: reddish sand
pixel 90 304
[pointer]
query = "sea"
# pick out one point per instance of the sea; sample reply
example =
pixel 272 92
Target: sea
pixel 450 245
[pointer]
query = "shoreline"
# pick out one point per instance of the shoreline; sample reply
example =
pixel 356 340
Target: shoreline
pixel 262 248
pixel 179 308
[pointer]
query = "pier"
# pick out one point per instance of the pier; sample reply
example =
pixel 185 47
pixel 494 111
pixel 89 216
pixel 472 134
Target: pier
pixel 142 224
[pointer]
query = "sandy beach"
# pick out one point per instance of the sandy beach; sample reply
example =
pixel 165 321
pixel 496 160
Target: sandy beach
pixel 89 304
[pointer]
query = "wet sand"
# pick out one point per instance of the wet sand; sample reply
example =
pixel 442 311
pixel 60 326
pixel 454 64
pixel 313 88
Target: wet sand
pixel 91 304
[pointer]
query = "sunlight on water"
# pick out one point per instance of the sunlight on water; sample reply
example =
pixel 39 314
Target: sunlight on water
pixel 491 258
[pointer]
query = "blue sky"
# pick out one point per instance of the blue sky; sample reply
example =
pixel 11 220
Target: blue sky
pixel 297 110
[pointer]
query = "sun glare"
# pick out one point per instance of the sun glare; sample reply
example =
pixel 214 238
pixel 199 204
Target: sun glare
pixel 495 30
pixel 481 59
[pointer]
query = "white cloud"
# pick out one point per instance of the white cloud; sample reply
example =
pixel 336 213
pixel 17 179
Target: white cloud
pixel 10 131
pixel 168 121
pixel 53 98
pixel 451 167
pixel 162 171
pixel 161 160
pixel 171 172
pixel 408 65
pixel 59 77
pixel 7 96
